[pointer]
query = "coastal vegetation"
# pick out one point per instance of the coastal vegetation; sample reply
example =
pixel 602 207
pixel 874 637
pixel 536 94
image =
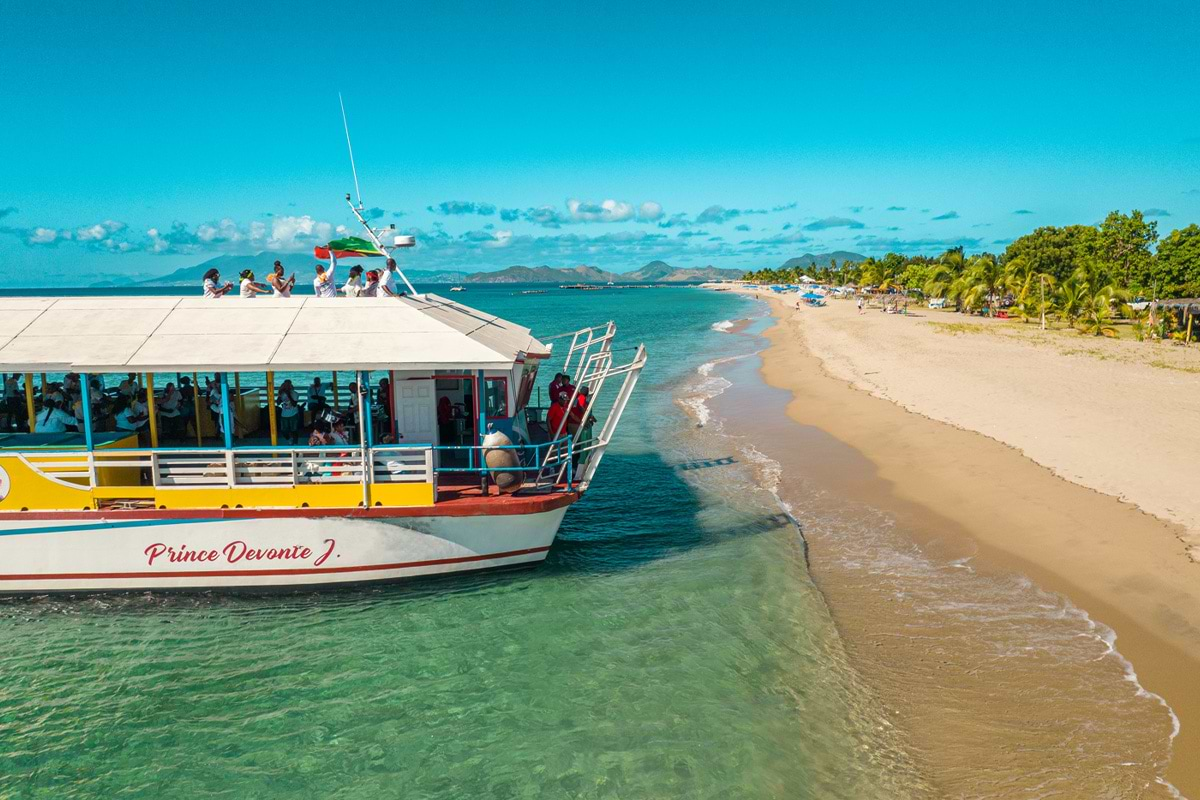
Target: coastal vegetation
pixel 1089 277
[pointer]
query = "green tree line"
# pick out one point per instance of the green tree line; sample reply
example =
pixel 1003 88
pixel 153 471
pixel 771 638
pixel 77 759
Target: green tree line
pixel 1082 274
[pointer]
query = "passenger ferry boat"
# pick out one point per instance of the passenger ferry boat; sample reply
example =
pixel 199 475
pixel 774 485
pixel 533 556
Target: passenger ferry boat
pixel 229 498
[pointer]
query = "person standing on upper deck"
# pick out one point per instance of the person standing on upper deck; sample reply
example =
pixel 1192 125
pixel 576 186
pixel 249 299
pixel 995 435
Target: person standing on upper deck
pixel 249 288
pixel 371 289
pixel 213 287
pixel 353 287
pixel 387 279
pixel 324 285
pixel 282 286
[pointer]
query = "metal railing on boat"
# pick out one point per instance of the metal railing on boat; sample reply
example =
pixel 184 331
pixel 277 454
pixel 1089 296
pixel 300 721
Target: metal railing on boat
pixel 285 466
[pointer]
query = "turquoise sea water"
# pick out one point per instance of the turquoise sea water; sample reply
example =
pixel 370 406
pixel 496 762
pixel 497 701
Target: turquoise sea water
pixel 671 646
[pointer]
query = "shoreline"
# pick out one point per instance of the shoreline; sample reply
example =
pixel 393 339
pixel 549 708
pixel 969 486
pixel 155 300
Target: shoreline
pixel 1127 569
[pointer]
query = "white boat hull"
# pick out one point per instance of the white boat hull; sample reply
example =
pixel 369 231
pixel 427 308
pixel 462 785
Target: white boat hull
pixel 95 554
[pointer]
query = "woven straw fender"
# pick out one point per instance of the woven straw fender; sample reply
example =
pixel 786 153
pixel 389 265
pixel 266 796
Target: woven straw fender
pixel 507 482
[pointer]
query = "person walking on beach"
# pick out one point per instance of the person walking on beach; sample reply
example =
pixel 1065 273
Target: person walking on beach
pixel 860 304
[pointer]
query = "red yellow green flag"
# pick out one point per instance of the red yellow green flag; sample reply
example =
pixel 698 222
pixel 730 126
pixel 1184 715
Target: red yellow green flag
pixel 350 247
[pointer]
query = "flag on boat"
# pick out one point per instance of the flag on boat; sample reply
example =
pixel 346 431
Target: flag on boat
pixel 349 247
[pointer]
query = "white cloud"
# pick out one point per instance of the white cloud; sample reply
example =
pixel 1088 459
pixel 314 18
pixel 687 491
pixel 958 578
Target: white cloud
pixel 649 211
pixel 606 211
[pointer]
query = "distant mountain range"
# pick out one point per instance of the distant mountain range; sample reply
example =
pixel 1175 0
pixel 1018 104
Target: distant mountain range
pixel 822 259
pixel 231 266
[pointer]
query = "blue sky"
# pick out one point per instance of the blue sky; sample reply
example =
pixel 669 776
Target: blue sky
pixel 137 141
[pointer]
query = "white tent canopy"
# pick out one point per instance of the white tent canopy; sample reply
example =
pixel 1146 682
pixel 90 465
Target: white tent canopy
pixel 233 334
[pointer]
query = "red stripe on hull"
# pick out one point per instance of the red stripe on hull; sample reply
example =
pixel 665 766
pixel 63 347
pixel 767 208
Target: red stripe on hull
pixel 464 507
pixel 233 573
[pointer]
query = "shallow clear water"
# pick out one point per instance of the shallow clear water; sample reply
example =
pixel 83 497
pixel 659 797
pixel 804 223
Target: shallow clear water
pixel 671 646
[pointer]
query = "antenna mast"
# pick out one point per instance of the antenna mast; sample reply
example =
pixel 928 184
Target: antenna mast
pixel 353 170
pixel 398 240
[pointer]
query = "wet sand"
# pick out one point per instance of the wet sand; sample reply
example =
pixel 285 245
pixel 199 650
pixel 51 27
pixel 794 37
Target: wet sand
pixel 965 494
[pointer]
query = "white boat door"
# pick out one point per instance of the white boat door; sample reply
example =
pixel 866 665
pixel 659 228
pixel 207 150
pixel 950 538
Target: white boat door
pixel 416 413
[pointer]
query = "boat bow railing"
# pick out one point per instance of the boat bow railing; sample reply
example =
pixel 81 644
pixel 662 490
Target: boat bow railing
pixel 594 367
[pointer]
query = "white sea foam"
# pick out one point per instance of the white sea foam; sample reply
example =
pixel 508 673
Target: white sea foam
pixel 723 326
pixel 695 397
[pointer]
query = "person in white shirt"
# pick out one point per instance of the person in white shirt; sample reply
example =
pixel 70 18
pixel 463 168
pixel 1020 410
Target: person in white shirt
pixel 52 419
pixel 213 287
pixel 249 288
pixel 289 412
pixel 387 279
pixel 282 286
pixel 325 285
pixel 353 287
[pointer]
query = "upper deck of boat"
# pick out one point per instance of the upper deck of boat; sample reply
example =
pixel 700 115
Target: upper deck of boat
pixel 233 334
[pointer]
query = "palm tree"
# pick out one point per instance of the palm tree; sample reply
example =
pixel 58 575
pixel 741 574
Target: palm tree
pixel 1069 300
pixel 1096 318
pixel 982 284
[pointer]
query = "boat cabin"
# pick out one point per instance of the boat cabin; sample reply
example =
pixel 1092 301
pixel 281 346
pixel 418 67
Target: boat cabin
pixel 164 402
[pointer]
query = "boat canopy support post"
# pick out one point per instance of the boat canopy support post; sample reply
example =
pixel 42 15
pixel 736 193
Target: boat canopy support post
pixel 29 407
pixel 364 431
pixel 271 409
pixel 196 407
pixel 226 422
pixel 336 404
pixel 85 399
pixel 481 431
pixel 150 408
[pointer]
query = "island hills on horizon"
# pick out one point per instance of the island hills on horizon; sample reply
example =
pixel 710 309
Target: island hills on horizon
pixel 653 272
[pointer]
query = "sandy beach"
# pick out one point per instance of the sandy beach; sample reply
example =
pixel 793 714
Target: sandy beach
pixel 1059 457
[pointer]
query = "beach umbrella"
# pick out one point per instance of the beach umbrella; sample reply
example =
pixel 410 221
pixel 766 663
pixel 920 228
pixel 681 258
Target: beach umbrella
pixel 811 296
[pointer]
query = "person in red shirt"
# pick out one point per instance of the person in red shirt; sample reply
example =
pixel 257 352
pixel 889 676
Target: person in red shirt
pixel 556 414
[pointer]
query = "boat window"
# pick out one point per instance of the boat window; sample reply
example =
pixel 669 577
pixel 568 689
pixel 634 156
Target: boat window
pixel 496 390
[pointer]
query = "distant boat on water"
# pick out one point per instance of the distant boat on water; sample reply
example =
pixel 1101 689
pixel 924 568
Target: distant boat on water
pixel 457 289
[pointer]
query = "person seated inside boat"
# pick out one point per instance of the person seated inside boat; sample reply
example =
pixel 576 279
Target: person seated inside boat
pixel 289 412
pixel 249 288
pixel 371 287
pixel 316 398
pixel 339 435
pixel 354 283
pixel 324 284
pixel 71 384
pixel 168 409
pixel 128 418
pixel 282 286
pixel 128 387
pixel 321 436
pixel 52 418
pixel 213 287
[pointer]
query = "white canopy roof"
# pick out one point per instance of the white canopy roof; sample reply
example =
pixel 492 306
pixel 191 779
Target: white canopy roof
pixel 169 334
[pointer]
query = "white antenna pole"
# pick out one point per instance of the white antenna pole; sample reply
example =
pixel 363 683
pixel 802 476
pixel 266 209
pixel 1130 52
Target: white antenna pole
pixel 349 147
